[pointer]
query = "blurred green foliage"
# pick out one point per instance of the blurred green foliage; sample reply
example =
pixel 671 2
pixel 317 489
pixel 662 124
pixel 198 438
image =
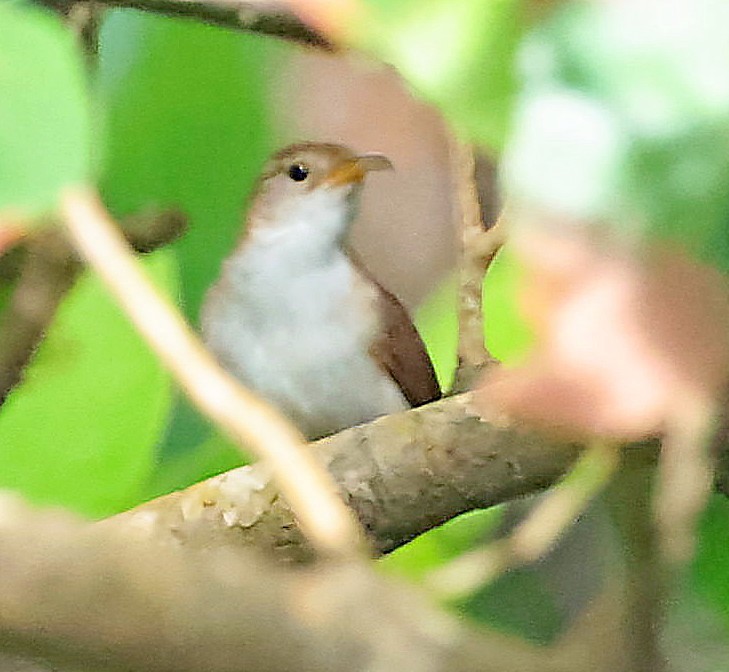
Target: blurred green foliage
pixel 187 124
pixel 623 119
pixel 44 120
pixel 82 429
pixel 458 55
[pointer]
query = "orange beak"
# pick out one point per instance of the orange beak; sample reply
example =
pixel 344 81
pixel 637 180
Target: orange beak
pixel 354 170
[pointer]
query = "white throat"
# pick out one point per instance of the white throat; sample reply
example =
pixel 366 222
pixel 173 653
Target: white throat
pixel 304 232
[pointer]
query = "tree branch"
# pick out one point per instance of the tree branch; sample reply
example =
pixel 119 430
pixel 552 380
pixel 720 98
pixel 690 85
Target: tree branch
pixel 402 475
pixel 266 17
pixel 83 598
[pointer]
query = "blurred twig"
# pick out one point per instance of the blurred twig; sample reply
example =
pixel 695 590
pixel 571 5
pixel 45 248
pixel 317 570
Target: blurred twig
pixel 630 500
pixel 685 475
pixel 479 246
pixel 48 269
pixel 84 597
pixel 535 535
pixel 85 18
pixel 329 525
pixel 267 17
pixel 48 272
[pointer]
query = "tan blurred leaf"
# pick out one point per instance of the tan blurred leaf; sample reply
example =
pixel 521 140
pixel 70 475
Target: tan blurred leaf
pixel 623 336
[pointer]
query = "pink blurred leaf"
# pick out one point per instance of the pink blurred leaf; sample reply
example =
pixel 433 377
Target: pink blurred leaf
pixel 622 336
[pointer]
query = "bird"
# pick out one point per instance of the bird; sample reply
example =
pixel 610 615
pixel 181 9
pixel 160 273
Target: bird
pixel 296 316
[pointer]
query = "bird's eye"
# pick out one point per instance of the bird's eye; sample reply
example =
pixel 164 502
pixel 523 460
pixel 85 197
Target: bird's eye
pixel 298 172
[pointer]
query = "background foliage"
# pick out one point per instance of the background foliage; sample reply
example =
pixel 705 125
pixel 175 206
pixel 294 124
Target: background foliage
pixel 178 113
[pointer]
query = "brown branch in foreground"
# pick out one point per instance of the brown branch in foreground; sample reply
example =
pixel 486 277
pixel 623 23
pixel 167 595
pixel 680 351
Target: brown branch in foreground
pixel 266 17
pixel 81 597
pixel 249 420
pixel 402 475
pixel 48 269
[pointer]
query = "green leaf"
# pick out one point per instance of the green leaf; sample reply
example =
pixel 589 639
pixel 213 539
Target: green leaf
pixel 44 118
pixel 441 544
pixel 710 570
pixel 458 55
pixel 82 429
pixel 437 323
pixel 506 334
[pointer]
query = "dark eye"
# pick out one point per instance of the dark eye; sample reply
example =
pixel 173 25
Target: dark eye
pixel 298 172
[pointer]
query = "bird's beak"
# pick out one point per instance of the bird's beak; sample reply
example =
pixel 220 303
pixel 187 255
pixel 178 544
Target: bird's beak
pixel 354 170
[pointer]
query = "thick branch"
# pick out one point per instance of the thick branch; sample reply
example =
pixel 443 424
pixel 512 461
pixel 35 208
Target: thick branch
pixel 266 17
pixel 402 474
pixel 83 598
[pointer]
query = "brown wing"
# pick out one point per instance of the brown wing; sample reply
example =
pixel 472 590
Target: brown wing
pixel 401 352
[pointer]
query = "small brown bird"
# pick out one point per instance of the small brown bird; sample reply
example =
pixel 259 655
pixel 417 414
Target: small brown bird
pixel 297 318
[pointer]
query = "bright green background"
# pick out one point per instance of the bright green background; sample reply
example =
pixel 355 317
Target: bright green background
pixel 178 114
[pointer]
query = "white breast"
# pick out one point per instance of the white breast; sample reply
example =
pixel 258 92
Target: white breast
pixel 290 328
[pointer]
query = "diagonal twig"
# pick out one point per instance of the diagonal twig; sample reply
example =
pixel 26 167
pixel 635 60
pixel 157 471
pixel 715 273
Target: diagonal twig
pixel 48 270
pixel 327 522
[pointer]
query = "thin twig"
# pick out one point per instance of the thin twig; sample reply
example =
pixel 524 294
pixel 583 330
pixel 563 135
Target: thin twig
pixel 267 17
pixel 685 475
pixel 250 421
pixel 644 577
pixel 85 19
pixel 535 535
pixel 479 246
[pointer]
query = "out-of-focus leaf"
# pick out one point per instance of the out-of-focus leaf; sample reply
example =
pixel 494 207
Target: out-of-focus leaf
pixel 508 335
pixel 82 428
pixel 710 571
pixel 437 322
pixel 624 119
pixel 459 55
pixel 437 546
pixel 44 122
pixel 518 603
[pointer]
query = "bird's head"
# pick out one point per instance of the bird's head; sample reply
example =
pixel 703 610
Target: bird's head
pixel 310 190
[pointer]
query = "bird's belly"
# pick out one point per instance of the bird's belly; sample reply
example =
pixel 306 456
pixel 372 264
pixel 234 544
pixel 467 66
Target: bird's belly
pixel 313 365
pixel 325 397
